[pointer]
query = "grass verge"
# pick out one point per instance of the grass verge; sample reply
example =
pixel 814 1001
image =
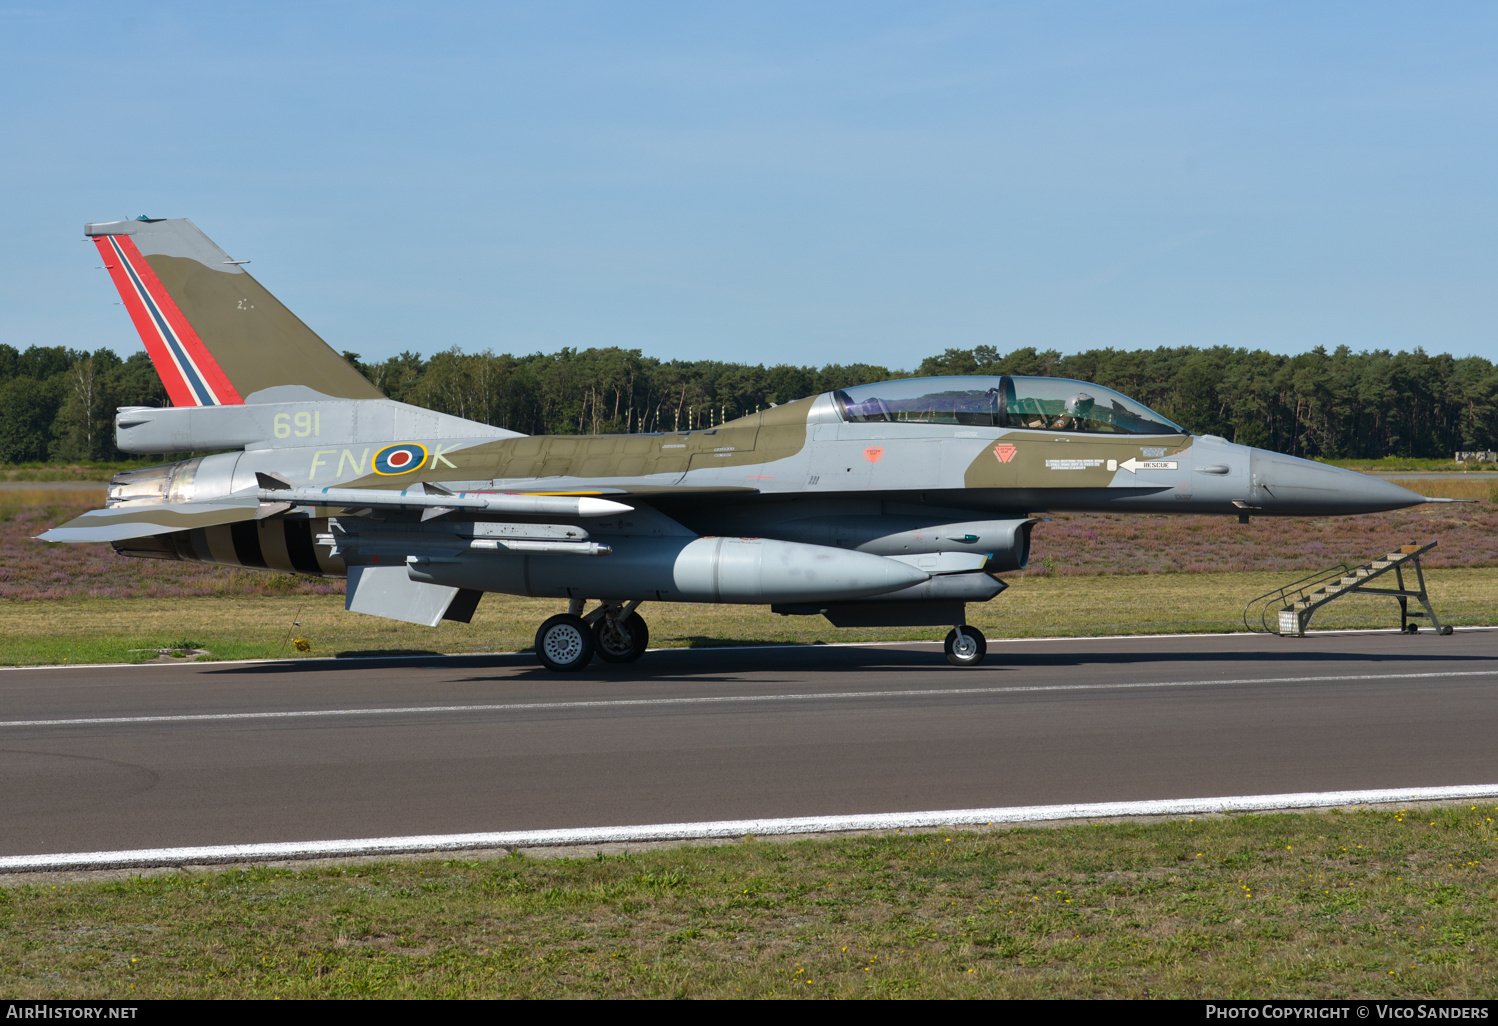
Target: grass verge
pixel 86 470
pixel 102 630
pixel 1404 464
pixel 1386 903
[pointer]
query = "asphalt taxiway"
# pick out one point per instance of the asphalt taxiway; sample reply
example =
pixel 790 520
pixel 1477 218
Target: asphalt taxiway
pixel 144 757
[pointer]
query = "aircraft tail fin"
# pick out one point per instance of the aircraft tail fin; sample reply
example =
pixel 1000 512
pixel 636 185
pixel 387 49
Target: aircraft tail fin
pixel 215 335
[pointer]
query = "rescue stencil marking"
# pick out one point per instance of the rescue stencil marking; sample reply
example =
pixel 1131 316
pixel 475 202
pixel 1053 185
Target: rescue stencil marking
pixel 399 459
pixel 1072 464
pixel 1133 466
pixel 872 455
pixel 1005 453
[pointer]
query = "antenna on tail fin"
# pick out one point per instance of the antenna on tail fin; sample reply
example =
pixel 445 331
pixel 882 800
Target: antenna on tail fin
pixel 214 334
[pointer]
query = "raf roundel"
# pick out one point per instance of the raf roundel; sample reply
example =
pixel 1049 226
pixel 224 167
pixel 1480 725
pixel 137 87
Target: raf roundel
pixel 399 459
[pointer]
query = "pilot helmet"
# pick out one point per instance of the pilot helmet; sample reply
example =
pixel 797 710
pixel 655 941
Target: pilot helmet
pixel 1079 405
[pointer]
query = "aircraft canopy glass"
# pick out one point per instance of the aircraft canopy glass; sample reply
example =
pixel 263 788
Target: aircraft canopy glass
pixel 1048 404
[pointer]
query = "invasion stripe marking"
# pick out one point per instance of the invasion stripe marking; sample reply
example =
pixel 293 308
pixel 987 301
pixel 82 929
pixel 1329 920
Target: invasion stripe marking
pixel 618 703
pixel 300 547
pixel 246 537
pixel 734 828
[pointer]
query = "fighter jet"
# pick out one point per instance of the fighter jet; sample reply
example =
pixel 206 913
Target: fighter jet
pixel 895 503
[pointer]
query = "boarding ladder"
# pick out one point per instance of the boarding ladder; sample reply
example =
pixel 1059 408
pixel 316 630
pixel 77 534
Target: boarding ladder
pixel 1293 605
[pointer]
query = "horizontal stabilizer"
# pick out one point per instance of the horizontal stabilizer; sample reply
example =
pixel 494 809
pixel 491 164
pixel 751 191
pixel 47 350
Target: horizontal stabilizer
pixel 118 523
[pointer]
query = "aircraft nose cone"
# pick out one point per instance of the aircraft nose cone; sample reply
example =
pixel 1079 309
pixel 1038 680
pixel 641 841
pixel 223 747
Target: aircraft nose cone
pixel 1288 485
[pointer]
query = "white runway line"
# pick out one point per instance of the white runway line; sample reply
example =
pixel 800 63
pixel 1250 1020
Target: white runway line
pixel 728 829
pixel 617 703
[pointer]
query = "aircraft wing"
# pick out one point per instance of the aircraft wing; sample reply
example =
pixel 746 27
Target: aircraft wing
pixel 118 523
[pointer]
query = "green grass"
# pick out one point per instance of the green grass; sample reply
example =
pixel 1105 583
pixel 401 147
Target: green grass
pixel 1392 464
pixel 84 470
pixel 101 630
pixel 1361 904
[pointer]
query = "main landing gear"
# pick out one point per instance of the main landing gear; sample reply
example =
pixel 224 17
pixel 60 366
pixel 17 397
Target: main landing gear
pixel 966 646
pixel 564 642
pixel 613 631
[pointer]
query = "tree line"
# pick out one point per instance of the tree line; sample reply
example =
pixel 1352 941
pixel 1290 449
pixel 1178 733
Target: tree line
pixel 1338 405
pixel 58 403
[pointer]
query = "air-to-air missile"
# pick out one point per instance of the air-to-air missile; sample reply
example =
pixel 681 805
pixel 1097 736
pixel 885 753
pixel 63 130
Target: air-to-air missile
pixel 893 503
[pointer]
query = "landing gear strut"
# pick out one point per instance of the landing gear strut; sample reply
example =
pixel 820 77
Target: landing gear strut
pixel 614 632
pixel 620 634
pixel 966 646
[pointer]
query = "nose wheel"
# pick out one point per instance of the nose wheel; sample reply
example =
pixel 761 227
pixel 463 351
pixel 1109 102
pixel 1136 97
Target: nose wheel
pixel 966 646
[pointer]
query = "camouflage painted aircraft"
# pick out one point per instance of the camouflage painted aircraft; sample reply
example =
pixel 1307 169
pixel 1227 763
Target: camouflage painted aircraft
pixel 889 504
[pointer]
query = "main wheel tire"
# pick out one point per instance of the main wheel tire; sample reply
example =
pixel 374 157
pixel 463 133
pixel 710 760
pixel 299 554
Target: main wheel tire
pixel 564 643
pixel 621 641
pixel 966 646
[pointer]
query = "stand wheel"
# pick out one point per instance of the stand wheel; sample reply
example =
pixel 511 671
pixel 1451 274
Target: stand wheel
pixel 1445 629
pixel 564 643
pixel 966 646
pixel 1410 628
pixel 621 641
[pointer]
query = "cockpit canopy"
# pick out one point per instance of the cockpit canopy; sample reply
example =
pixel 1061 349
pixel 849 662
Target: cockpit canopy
pixel 1047 404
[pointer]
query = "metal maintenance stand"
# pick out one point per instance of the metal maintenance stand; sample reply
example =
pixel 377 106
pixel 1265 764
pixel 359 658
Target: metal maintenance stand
pixel 1297 602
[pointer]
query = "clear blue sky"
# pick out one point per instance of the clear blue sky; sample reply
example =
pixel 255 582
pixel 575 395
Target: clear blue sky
pixel 803 183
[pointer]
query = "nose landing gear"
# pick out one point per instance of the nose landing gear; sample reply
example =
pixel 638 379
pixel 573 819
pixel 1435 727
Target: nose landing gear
pixel 614 632
pixel 966 646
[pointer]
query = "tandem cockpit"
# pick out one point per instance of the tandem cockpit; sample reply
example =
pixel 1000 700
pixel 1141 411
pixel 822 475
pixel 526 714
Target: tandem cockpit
pixel 1009 401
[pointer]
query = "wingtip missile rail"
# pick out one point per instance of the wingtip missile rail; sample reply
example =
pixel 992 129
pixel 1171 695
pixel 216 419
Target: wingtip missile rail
pixel 478 502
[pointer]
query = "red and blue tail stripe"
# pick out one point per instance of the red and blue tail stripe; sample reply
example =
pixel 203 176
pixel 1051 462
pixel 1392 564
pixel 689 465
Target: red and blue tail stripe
pixel 190 373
